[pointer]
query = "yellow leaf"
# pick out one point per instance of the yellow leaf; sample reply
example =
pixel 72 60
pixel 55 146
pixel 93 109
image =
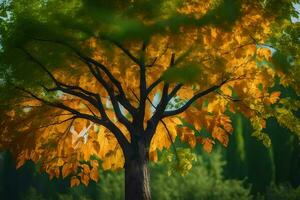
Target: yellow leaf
pixel 214 33
pixel 11 113
pixel 60 162
pixel 86 169
pixel 94 163
pixel 226 90
pixel 264 53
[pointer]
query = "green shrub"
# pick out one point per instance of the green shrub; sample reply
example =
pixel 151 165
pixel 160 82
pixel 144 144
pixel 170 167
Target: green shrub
pixel 32 194
pixel 205 181
pixel 281 192
pixel 111 186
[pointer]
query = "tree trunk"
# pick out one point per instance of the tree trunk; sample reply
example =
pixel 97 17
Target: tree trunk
pixel 137 176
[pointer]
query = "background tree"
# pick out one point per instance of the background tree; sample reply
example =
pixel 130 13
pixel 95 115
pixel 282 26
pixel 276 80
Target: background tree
pixel 118 81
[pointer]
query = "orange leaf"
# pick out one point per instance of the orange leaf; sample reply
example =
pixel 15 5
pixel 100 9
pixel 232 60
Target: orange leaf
pixel 207 145
pixel 85 179
pixel 74 181
pixel 153 156
pixel 86 169
pixel 274 97
pixel 96 146
pixel 220 135
pixel 94 163
pixel 94 175
pixel 66 170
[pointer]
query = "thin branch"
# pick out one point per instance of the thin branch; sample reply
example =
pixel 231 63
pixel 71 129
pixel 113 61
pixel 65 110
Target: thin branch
pixel 136 97
pixel 61 114
pixel 159 80
pixel 158 114
pixel 174 91
pixel 168 133
pixel 91 111
pixel 229 51
pixel 138 120
pixel 69 127
pixel 193 99
pixel 153 85
pixel 158 57
pixel 164 98
pixel 57 123
pixel 123 100
pixel 97 74
pixel 170 138
pixel 125 145
pixel 125 50
pixel 83 96
pixel 32 58
pixel 153 62
pixel 227 97
pixel 61 106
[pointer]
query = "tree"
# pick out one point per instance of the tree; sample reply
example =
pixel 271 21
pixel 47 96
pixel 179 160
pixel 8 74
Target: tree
pixel 85 81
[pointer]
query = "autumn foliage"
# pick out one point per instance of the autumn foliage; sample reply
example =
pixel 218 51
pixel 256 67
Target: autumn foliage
pixel 214 60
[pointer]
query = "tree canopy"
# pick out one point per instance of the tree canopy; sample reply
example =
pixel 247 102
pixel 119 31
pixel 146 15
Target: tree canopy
pixel 83 81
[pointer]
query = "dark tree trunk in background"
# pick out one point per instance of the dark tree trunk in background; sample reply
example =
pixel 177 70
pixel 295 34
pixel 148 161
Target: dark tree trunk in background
pixel 137 176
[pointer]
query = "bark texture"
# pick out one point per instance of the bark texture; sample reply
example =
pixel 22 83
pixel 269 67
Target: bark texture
pixel 137 176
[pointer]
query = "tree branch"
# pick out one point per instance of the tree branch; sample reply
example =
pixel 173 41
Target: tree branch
pixel 164 99
pixel 174 91
pixel 159 80
pixel 153 85
pixel 97 104
pixel 168 133
pixel 158 57
pixel 139 120
pixel 125 50
pixel 84 94
pixel 229 51
pixel 122 97
pixel 61 106
pixel 125 145
pixel 57 123
pixel 170 138
pixel 157 116
pixel 97 74
pixel 32 58
pixel 192 100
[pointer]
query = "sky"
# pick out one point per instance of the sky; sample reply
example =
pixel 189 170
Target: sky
pixel 297 7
